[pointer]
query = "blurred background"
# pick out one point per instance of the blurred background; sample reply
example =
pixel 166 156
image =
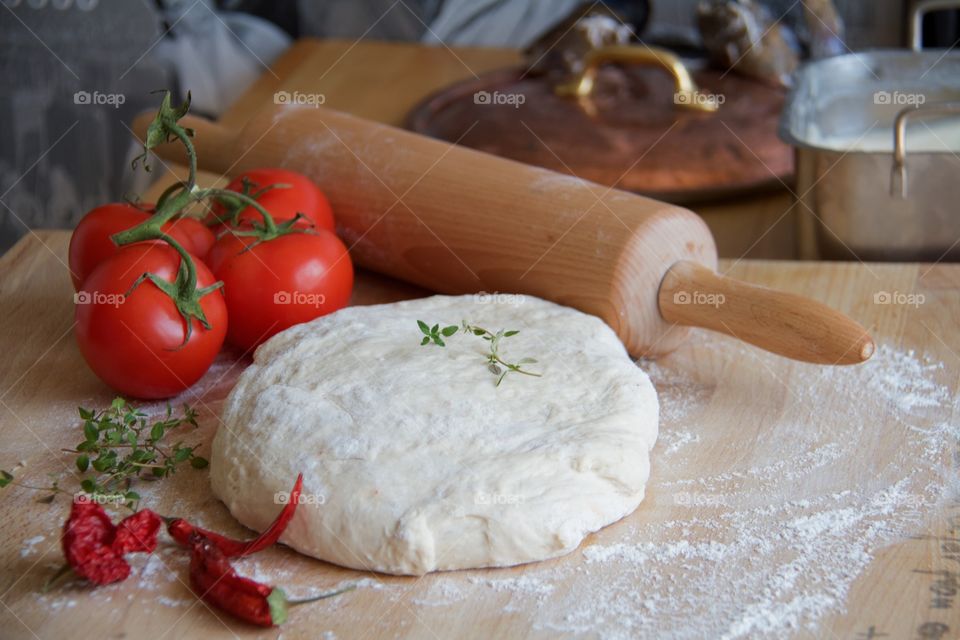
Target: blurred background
pixel 75 72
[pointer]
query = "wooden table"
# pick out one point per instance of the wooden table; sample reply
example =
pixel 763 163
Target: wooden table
pixel 751 445
pixel 742 433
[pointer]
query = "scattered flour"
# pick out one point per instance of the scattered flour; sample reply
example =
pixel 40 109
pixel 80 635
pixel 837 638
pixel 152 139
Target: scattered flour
pixel 675 441
pixel 441 593
pixel 525 585
pixel 763 541
pixel 767 546
pixel 175 602
pixel 30 545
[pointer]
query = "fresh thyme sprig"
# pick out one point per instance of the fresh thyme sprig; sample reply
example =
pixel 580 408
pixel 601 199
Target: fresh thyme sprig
pixel 495 362
pixel 119 447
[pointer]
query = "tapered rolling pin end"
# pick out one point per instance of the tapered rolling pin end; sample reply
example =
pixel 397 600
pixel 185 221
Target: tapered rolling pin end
pixel 783 323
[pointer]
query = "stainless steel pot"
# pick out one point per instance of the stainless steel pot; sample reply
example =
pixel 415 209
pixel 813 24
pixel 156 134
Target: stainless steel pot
pixel 877 138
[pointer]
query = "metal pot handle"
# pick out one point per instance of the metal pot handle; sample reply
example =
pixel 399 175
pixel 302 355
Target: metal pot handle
pixel 898 175
pixel 921 8
pixel 687 94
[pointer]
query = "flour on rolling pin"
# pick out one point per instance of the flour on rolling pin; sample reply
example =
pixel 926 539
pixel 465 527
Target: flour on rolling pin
pixel 457 221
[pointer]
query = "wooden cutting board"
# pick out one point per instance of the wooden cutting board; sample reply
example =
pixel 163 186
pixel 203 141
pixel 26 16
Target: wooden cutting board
pixel 777 489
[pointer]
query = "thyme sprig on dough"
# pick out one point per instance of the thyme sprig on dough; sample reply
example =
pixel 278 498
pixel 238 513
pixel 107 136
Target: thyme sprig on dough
pixel 495 362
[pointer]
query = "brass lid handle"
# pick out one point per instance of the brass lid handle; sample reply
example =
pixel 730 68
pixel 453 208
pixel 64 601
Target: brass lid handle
pixel 687 94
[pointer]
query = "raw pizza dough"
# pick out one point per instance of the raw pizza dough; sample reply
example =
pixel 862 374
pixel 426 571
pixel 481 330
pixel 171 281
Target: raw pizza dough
pixel 413 460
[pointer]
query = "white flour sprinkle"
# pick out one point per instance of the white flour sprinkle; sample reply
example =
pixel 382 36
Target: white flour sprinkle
pixel 763 538
pixel 30 545
pixel 763 547
pixel 675 441
pixel 526 585
pixel 175 602
pixel 442 593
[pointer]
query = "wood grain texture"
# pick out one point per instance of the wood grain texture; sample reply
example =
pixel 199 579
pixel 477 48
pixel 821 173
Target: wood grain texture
pixel 44 379
pixel 383 81
pixel 780 322
pixel 458 221
pixel 455 220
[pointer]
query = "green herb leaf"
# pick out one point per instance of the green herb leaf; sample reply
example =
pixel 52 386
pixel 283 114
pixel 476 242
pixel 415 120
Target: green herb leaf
pixel 119 446
pixel 495 362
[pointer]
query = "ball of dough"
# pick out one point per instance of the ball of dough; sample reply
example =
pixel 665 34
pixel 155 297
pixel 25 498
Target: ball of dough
pixel 414 460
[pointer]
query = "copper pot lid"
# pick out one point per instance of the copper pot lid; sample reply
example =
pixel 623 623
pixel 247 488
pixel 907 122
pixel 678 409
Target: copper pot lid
pixel 655 130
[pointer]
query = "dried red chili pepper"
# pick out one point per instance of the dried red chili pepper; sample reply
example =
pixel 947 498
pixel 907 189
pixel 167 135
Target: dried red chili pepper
pixel 137 532
pixel 216 582
pixel 181 530
pixel 94 546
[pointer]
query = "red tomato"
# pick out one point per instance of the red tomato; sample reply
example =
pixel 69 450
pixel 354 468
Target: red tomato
pixel 303 196
pixel 195 237
pixel 133 343
pixel 279 283
pixel 90 243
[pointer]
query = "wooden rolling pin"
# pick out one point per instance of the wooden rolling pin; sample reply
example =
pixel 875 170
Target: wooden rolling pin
pixel 455 220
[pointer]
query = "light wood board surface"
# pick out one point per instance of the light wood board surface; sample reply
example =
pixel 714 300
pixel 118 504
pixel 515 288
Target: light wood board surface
pixel 746 438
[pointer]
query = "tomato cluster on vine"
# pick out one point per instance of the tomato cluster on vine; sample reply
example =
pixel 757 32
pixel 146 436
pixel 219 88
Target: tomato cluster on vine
pixel 159 291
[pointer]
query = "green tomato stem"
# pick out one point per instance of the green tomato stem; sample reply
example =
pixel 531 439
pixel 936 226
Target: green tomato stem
pixel 182 135
pixel 269 224
pixel 187 285
pixel 150 229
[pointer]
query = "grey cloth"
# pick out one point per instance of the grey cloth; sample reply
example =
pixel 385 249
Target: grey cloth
pixel 60 153
pixel 216 55
pixel 370 19
pixel 74 74
pixel 496 23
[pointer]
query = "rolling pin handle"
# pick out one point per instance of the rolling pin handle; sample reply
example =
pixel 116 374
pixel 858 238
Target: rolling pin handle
pixel 784 323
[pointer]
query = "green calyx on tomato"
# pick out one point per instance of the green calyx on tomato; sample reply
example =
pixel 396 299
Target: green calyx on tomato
pixel 284 194
pixel 231 206
pixel 277 255
pixel 183 291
